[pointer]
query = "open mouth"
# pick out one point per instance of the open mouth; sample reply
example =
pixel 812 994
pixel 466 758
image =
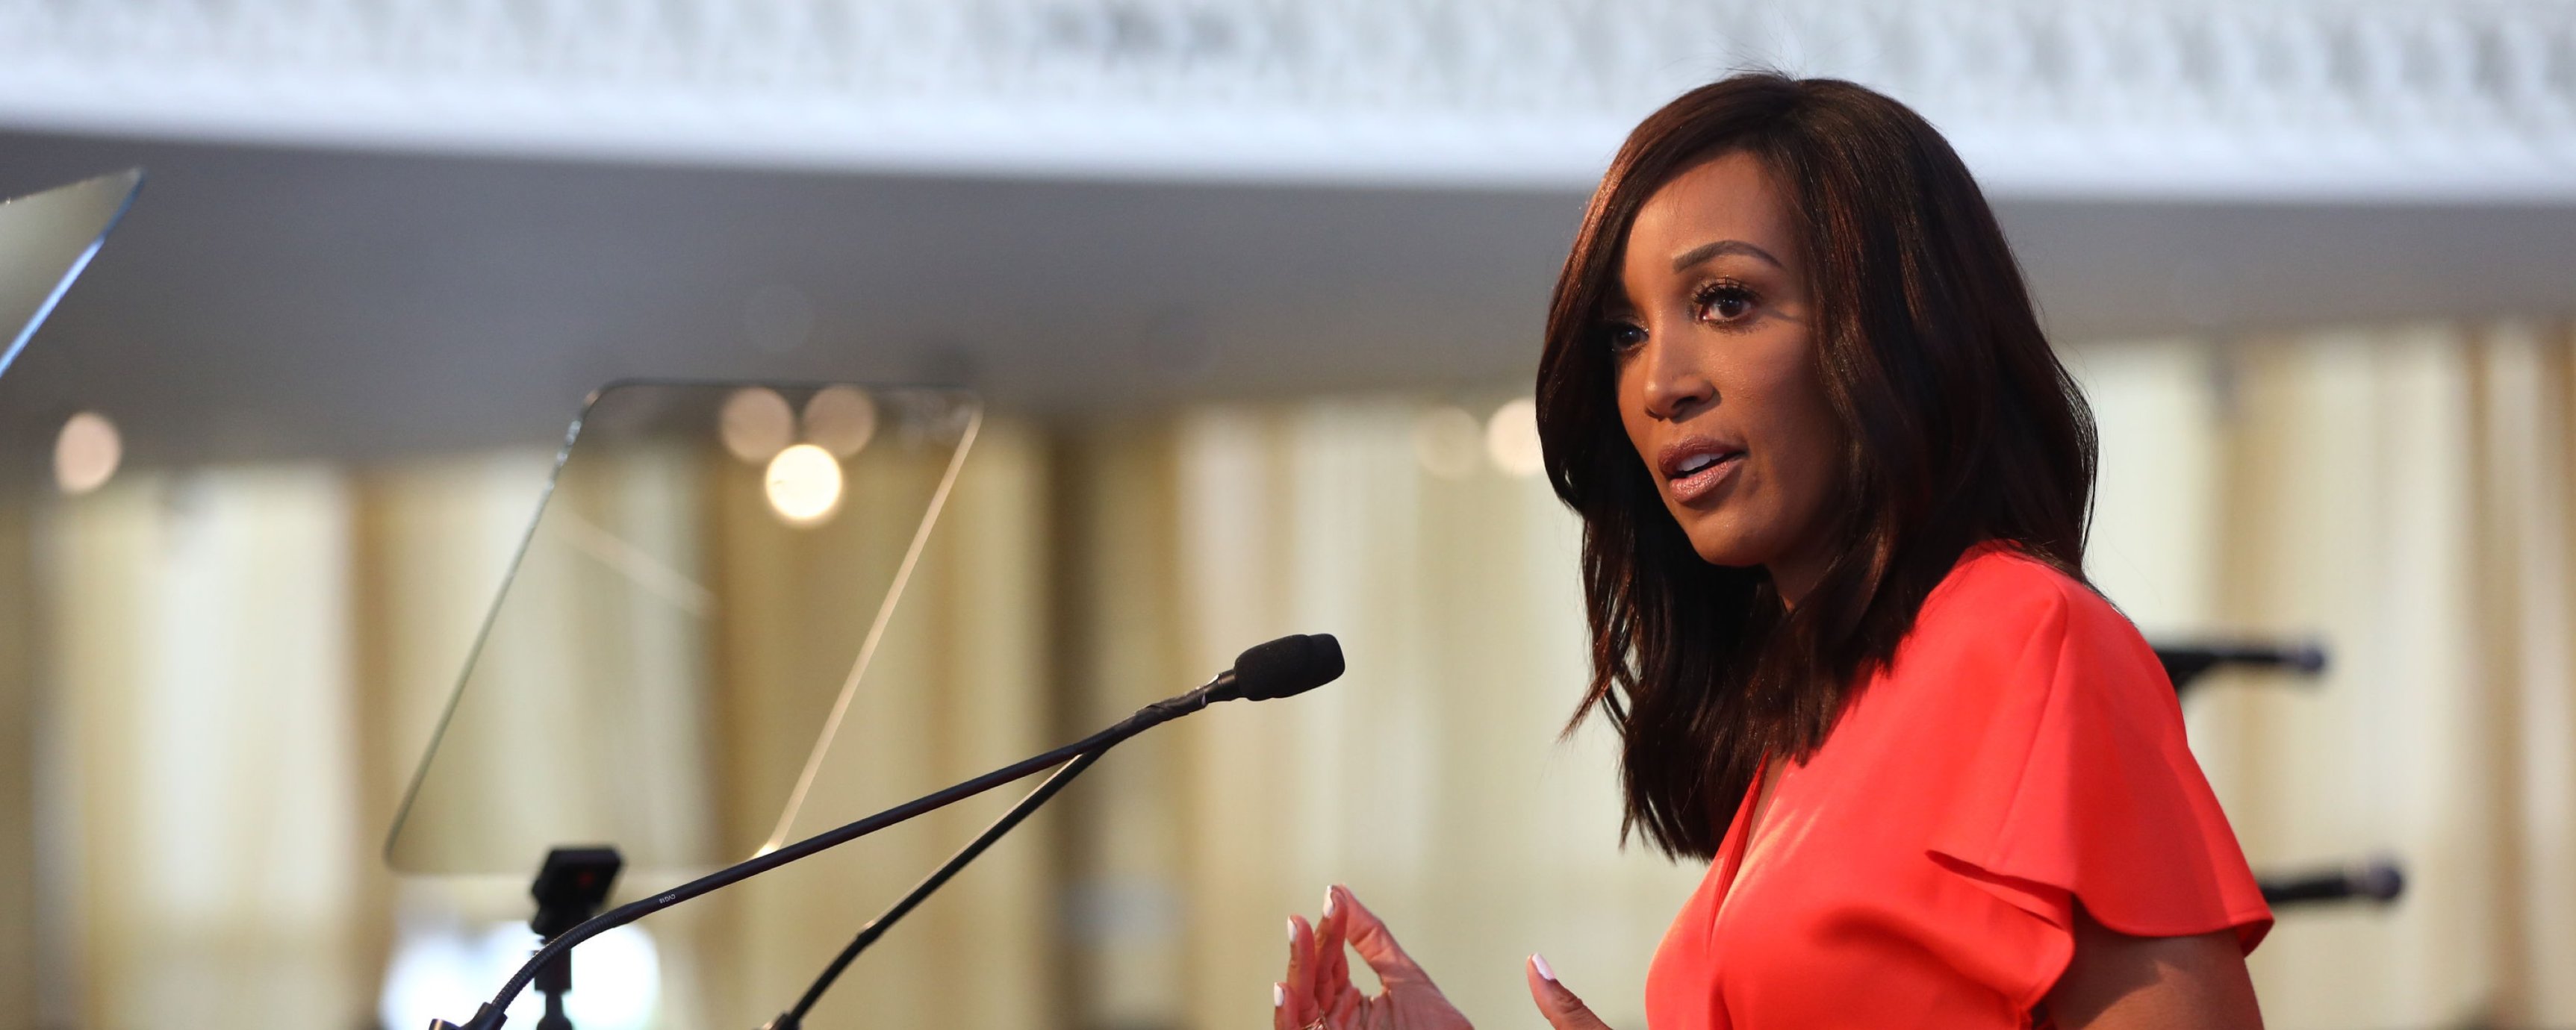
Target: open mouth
pixel 1695 467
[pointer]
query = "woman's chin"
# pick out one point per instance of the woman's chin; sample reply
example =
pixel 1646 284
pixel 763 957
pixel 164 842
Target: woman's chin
pixel 1729 553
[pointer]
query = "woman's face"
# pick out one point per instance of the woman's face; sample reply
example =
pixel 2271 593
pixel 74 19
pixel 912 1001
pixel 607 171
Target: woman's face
pixel 1714 341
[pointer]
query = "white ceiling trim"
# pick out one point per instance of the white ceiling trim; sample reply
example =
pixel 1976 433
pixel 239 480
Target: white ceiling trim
pixel 2266 99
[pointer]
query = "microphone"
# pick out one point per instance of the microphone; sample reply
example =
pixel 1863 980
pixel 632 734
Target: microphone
pixel 2187 662
pixel 1285 667
pixel 1280 668
pixel 2376 880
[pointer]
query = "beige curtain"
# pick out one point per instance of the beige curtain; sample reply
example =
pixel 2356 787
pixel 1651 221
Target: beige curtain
pixel 247 661
pixel 2405 493
pixel 243 662
pixel 960 686
pixel 1430 778
pixel 2403 496
pixel 26 929
pixel 212 852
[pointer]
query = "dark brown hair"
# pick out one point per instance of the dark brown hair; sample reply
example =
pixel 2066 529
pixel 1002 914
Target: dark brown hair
pixel 1960 427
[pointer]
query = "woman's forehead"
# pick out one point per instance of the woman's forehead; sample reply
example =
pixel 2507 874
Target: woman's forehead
pixel 1727 197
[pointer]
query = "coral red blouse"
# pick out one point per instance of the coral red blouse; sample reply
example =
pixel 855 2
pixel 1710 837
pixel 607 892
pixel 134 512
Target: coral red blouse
pixel 2024 752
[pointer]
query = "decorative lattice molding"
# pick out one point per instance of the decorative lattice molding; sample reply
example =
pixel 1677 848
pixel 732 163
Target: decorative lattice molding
pixel 2202 97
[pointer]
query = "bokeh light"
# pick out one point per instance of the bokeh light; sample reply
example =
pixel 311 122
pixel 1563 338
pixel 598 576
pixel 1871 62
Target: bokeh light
pixel 804 484
pixel 1511 438
pixel 840 419
pixel 87 453
pixel 1448 442
pixel 447 972
pixel 756 423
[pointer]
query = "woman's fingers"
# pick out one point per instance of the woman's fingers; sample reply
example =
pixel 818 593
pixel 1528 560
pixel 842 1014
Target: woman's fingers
pixel 1370 938
pixel 1280 1019
pixel 1301 957
pixel 1563 1010
pixel 1302 1000
pixel 1332 963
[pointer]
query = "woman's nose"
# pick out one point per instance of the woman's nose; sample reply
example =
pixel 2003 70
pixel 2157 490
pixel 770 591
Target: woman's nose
pixel 1675 384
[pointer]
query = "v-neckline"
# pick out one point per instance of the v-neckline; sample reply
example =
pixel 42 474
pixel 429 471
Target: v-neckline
pixel 1749 812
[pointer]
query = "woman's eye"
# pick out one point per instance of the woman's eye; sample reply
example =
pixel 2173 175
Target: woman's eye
pixel 1625 337
pixel 1724 303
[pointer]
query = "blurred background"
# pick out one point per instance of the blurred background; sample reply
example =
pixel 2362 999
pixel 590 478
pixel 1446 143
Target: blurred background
pixel 1251 290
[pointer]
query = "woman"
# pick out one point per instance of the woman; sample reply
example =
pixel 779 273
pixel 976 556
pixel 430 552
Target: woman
pixel 1833 484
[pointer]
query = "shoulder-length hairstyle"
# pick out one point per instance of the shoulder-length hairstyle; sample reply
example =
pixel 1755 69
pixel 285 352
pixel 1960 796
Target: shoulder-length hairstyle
pixel 1960 427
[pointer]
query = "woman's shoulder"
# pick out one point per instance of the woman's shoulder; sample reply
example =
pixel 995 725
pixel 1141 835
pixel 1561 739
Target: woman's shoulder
pixel 2050 755
pixel 2003 608
pixel 1994 585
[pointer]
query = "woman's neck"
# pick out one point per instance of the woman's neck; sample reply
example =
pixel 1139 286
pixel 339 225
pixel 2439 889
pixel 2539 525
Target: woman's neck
pixel 1794 578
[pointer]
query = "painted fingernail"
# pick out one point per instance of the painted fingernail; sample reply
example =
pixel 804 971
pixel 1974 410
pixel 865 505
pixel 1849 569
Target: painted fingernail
pixel 1278 995
pixel 1328 902
pixel 1544 973
pixel 1292 931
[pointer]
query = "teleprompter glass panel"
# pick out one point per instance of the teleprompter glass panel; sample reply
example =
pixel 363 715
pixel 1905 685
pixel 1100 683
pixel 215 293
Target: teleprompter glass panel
pixel 49 445
pixel 697 598
pixel 46 239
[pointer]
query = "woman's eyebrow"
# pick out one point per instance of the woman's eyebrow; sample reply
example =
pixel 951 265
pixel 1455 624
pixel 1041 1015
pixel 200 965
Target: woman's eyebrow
pixel 1706 251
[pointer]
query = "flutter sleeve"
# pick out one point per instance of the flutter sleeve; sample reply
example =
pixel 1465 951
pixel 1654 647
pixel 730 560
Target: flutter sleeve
pixel 2078 786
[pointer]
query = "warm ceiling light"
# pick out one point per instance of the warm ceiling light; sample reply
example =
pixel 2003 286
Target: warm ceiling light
pixel 1447 441
pixel 840 419
pixel 86 453
pixel 1511 438
pixel 804 484
pixel 755 423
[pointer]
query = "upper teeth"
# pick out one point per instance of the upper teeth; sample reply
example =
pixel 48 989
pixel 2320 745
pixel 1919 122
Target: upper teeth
pixel 1695 463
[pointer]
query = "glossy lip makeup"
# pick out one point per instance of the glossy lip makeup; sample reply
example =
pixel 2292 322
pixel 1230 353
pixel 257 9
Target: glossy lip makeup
pixel 1693 467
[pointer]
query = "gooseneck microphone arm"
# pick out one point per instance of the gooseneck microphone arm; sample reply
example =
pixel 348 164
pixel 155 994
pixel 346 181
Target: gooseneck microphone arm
pixel 794 1019
pixel 1282 667
pixel 489 1016
pixel 1279 668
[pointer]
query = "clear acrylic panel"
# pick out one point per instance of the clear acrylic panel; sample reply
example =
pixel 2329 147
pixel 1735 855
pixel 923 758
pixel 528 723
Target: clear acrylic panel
pixel 46 239
pixel 705 578
pixel 49 444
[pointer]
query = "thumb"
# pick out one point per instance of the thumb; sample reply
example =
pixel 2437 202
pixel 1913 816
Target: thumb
pixel 1563 1010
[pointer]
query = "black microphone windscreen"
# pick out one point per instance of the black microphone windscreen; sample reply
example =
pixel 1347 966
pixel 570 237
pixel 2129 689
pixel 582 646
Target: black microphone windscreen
pixel 2379 881
pixel 1287 666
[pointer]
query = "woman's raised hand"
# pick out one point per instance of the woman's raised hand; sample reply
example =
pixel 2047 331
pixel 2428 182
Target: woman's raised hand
pixel 1319 992
pixel 1319 995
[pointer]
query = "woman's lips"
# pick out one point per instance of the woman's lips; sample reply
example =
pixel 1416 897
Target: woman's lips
pixel 1697 465
pixel 1699 483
